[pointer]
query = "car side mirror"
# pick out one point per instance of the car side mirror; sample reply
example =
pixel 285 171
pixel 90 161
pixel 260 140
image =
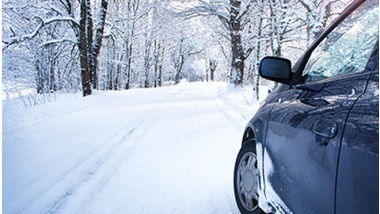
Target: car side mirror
pixel 276 69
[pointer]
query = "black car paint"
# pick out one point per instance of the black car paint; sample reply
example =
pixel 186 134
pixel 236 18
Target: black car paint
pixel 315 173
pixel 297 152
pixel 358 171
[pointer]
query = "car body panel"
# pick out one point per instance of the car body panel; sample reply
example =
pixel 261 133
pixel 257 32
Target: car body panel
pixel 316 152
pixel 304 170
pixel 358 174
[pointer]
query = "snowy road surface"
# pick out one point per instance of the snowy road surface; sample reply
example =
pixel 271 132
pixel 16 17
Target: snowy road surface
pixel 166 150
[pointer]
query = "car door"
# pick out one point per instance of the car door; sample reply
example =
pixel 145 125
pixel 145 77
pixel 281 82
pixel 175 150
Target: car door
pixel 306 125
pixel 358 169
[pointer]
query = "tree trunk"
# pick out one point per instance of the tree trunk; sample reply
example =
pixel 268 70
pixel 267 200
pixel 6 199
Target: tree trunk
pixel 97 43
pixel 118 77
pixel 40 78
pixel 147 61
pixel 177 78
pixel 179 70
pixel 110 79
pixel 237 63
pixel 160 77
pixel 156 51
pixel 129 62
pixel 133 7
pixel 111 56
pixel 88 48
pixel 213 64
pixel 256 86
pixel 83 51
pixel 89 29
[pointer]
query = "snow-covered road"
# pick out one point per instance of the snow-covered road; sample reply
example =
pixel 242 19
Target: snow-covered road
pixel 166 150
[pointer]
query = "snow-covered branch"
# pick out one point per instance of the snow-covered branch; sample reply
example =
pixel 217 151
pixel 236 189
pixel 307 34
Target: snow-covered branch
pixel 55 41
pixel 18 39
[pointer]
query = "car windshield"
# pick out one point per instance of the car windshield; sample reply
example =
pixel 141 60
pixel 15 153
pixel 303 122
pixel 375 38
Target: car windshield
pixel 348 47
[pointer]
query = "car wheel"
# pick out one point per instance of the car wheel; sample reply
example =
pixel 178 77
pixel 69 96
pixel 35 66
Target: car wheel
pixel 246 179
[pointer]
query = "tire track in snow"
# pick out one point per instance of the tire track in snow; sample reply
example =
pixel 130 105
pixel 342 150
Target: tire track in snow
pixel 92 172
pixel 81 173
pixel 64 175
pixel 123 154
pixel 60 188
pixel 117 160
pixel 108 158
pixel 228 114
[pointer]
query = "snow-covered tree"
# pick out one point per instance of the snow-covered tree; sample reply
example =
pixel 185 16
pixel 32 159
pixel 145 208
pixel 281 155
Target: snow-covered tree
pixel 233 16
pixel 318 15
pixel 42 62
pixel 180 54
pixel 273 24
pixel 87 38
pixel 123 44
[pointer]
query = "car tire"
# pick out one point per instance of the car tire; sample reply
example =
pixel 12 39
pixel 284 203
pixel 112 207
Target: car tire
pixel 246 179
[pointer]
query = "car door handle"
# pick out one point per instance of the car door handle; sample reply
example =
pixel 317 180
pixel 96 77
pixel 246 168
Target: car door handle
pixel 314 102
pixel 325 129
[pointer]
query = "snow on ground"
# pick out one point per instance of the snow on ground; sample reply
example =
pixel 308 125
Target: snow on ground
pixel 165 150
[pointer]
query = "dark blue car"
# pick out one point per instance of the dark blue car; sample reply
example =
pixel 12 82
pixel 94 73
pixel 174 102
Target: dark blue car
pixel 313 147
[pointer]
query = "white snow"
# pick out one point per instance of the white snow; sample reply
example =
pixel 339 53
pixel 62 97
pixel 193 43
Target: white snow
pixel 270 195
pixel 376 93
pixel 165 150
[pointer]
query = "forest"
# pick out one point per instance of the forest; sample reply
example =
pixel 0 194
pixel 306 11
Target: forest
pixel 71 46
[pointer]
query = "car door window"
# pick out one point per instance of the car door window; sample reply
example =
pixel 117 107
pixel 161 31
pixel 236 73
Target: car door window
pixel 347 48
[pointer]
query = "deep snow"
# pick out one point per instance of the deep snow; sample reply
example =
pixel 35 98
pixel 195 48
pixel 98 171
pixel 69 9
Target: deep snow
pixel 165 150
